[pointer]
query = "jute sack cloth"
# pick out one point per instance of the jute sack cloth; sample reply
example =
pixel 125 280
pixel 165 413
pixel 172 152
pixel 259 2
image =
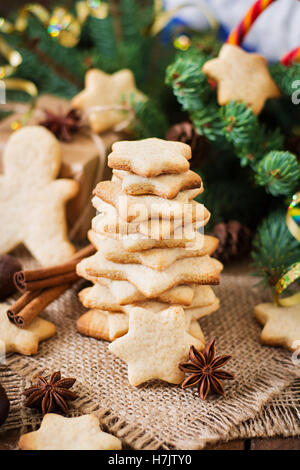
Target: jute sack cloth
pixel 159 415
pixel 278 417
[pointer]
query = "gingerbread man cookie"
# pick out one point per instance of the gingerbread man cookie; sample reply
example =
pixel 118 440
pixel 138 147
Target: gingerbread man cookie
pixel 32 203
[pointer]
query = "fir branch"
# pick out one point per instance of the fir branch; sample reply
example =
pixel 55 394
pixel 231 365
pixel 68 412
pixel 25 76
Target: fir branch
pixel 234 122
pixel 189 83
pixel 149 121
pixel 275 249
pixel 233 196
pixel 130 10
pixel 257 142
pixel 279 172
pixel 193 92
pixel 270 140
pixel 103 37
pixel 285 76
pixel 115 15
pixel 240 124
pixel 207 122
pixel 263 142
pixel 62 72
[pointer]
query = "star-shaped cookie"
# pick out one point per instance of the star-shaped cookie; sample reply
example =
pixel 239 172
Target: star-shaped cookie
pixel 197 270
pixel 101 324
pixel 32 202
pixel 23 341
pixel 150 157
pixel 60 433
pixel 141 208
pixel 107 91
pixel 126 293
pixel 154 345
pixel 156 258
pixel 165 186
pixel 241 76
pixel 281 325
pixel 194 216
pixel 101 297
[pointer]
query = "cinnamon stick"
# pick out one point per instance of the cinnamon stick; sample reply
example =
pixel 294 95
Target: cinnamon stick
pixel 88 250
pixel 21 303
pixel 37 279
pixel 32 304
pixel 43 286
pixel 24 284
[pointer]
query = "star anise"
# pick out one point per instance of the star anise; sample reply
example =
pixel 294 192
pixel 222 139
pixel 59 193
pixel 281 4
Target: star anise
pixel 63 126
pixel 50 395
pixel 205 370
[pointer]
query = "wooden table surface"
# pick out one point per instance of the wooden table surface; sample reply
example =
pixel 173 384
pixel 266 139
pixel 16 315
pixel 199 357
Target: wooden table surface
pixel 9 440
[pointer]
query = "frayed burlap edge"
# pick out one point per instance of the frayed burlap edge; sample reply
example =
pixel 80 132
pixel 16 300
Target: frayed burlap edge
pixel 134 436
pixel 195 427
pixel 279 417
pixel 14 378
pixel 244 407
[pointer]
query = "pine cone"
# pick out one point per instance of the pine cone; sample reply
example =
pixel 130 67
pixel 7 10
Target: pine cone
pixel 185 132
pixel 234 240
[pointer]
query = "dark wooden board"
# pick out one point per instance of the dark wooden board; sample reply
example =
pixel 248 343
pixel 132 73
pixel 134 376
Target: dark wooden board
pixel 9 441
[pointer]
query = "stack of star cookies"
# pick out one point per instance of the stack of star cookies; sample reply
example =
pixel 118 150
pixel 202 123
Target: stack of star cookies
pixel 153 262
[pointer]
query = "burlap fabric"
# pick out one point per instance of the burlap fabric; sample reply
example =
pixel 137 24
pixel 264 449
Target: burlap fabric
pixel 158 415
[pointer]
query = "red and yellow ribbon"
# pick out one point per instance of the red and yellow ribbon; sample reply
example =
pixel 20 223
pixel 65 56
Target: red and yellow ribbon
pixel 236 37
pixel 291 57
pixel 238 34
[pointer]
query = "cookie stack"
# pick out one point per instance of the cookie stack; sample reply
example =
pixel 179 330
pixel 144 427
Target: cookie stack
pixel 152 263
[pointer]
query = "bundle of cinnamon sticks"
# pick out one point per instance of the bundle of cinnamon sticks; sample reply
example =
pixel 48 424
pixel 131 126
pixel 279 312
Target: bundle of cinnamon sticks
pixel 42 286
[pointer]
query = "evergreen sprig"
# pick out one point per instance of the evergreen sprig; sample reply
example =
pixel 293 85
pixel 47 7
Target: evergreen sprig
pixel 101 33
pixel 285 77
pixel 239 125
pixel 189 83
pixel 149 121
pixel 274 249
pixel 130 20
pixel 279 172
pixel 233 124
